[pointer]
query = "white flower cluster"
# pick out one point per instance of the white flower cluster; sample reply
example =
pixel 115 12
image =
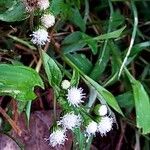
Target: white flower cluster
pixel 40 36
pixel 72 120
pixel 57 137
pixel 68 122
pixel 43 4
pixel 47 20
pixel 91 128
pixel 75 96
pixel 103 125
pixel 32 5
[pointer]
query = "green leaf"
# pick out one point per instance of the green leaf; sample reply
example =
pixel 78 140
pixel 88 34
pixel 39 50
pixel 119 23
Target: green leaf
pixel 77 40
pixel 126 100
pixel 73 42
pixel 90 42
pixel 52 70
pixel 16 12
pixel 142 106
pixel 100 66
pixel 81 62
pixel 104 94
pixel 19 82
pixel 68 12
pixel 22 105
pixel 110 35
pixel 5 4
pixel 75 78
pixel 118 19
pixel 28 111
pixel 139 47
pixel 56 6
pixel 76 18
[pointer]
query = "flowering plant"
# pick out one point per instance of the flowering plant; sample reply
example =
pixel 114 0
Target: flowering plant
pixel 80 57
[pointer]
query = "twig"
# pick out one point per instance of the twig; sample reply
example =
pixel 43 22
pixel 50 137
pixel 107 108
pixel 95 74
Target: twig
pixel 15 109
pixel 12 123
pixel 137 144
pixel 123 127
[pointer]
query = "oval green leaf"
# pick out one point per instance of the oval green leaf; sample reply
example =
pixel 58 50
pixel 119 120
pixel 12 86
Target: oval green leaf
pixel 52 70
pixel 19 82
pixel 16 12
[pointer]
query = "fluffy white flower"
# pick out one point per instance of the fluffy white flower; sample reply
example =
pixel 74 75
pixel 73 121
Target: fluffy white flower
pixel 105 125
pixel 43 4
pixel 75 96
pixel 40 37
pixel 102 110
pixel 65 84
pixel 57 137
pixel 48 20
pixel 70 121
pixel 91 128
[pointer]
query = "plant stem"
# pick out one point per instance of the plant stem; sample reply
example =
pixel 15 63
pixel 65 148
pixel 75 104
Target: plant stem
pixel 86 15
pixel 54 107
pixel 132 38
pixel 25 43
pixel 109 29
pixel 31 19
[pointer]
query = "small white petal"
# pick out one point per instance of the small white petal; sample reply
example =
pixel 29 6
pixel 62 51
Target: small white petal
pixel 40 37
pixel 75 96
pixel 57 137
pixel 105 125
pixel 103 110
pixel 91 128
pixel 43 4
pixel 48 20
pixel 70 121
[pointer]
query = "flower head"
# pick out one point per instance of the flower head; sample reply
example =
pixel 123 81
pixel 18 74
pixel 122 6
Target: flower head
pixel 103 110
pixel 65 84
pixel 91 128
pixel 75 96
pixel 48 20
pixel 70 121
pixel 57 137
pixel 30 5
pixel 40 37
pixel 100 110
pixel 43 4
pixel 105 125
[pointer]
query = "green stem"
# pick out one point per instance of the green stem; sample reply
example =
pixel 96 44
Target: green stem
pixel 94 75
pixel 109 29
pixel 55 90
pixel 86 15
pixel 132 38
pixel 21 41
pixel 120 62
